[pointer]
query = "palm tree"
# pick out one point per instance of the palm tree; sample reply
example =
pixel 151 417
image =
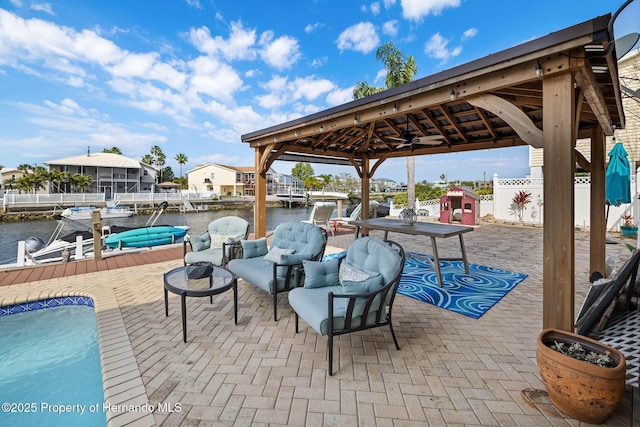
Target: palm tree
pixel 147 159
pixel 114 150
pixel 159 159
pixel 80 182
pixel 181 159
pixel 25 168
pixel 55 178
pixel 400 70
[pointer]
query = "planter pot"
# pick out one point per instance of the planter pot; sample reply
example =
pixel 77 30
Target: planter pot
pixel 582 390
pixel 629 230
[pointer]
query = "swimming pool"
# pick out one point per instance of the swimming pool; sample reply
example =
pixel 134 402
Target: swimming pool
pixel 50 371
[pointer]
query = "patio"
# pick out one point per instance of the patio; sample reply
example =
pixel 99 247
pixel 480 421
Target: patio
pixel 451 369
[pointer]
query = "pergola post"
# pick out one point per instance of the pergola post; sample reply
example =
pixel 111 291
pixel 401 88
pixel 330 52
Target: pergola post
pixel 598 227
pixel 558 100
pixel 260 203
pixel 365 188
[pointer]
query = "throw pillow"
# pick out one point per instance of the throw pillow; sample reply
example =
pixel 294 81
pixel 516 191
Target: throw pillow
pixel 275 254
pixel 320 274
pixel 254 248
pixel 200 243
pixel 352 274
pixel 218 239
pixel 371 284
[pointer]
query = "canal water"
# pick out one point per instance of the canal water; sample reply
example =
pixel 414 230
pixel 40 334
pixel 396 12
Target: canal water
pixel 12 232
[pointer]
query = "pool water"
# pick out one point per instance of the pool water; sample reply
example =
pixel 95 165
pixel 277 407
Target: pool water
pixel 50 368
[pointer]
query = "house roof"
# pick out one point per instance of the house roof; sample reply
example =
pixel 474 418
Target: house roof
pixel 106 160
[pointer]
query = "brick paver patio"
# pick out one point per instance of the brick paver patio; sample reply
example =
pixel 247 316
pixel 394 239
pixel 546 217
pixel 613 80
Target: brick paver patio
pixel 451 370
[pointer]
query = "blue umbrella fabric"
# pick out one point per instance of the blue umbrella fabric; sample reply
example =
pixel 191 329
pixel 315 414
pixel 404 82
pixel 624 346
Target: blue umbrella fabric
pixel 618 177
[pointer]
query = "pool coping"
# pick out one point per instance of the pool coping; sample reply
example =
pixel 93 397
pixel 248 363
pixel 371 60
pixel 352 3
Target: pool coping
pixel 125 396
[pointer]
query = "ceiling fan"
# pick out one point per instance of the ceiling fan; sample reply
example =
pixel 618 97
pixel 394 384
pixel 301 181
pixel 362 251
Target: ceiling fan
pixel 409 139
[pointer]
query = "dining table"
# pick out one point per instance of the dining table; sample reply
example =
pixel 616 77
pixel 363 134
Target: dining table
pixel 431 230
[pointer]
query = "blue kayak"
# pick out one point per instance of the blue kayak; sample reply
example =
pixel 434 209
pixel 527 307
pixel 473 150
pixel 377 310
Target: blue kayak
pixel 145 236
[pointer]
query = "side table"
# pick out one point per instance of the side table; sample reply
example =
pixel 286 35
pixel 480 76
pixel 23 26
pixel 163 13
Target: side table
pixel 176 281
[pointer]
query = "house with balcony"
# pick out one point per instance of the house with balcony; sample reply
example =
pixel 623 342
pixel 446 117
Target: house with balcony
pixel 236 180
pixel 110 173
pixel 9 176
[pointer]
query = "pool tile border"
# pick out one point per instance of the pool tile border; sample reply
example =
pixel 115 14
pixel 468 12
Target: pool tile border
pixel 121 380
pixel 45 303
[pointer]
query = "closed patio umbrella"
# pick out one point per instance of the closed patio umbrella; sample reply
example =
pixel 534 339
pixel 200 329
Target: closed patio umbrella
pixel 618 178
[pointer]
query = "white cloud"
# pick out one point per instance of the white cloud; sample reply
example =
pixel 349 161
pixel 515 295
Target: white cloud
pixel 310 28
pixel 194 3
pixel 340 96
pixel 470 33
pixel 70 128
pixel 380 77
pixel 214 78
pixel 280 53
pixel 416 10
pixel 390 28
pixel 389 3
pixel 319 62
pixel 281 91
pixel 361 37
pixel 436 47
pixel 43 7
pixel 375 8
pixel 239 45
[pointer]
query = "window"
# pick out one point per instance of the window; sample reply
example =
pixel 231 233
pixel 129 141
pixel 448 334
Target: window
pixel 213 176
pixel 145 172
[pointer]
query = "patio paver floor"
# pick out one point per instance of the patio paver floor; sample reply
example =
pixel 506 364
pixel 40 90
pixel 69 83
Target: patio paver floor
pixel 451 369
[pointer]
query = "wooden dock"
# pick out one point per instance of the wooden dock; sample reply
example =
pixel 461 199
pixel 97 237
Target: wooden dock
pixel 60 269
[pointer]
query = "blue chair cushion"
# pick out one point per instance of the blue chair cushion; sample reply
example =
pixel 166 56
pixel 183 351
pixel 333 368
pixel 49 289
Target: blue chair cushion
pixel 210 255
pixel 321 274
pixel 254 248
pixel 313 304
pixel 360 287
pixel 201 242
pixel 256 271
pixel 275 254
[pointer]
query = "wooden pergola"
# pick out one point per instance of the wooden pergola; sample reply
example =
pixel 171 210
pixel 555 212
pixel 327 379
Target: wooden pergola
pixel 545 93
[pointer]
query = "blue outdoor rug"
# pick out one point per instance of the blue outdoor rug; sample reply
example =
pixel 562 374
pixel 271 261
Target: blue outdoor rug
pixel 470 294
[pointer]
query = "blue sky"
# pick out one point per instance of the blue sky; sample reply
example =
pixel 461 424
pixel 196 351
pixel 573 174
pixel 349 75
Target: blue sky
pixel 193 75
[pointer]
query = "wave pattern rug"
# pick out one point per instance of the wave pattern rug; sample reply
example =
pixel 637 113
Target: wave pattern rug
pixel 470 294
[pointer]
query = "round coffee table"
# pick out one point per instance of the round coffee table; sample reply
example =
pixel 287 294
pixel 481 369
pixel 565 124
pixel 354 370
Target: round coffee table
pixel 177 282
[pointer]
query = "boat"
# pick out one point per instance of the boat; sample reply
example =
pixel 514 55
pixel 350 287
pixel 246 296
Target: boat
pixel 61 247
pixel 38 251
pixel 291 194
pixel 145 237
pixel 85 212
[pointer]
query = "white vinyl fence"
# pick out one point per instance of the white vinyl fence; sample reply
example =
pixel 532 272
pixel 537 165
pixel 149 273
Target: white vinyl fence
pixel 501 205
pixel 14 199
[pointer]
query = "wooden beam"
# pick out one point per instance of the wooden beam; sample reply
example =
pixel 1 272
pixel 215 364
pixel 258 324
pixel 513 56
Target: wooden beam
pixel 558 233
pixel 266 154
pixel 598 226
pixel 613 70
pixel 589 85
pixel 378 163
pixel 582 161
pixel 260 202
pixel 364 191
pixel 514 116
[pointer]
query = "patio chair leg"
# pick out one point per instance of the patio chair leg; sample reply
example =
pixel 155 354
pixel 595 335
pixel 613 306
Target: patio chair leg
pixel 296 314
pixel 275 307
pixel 393 334
pixel 330 353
